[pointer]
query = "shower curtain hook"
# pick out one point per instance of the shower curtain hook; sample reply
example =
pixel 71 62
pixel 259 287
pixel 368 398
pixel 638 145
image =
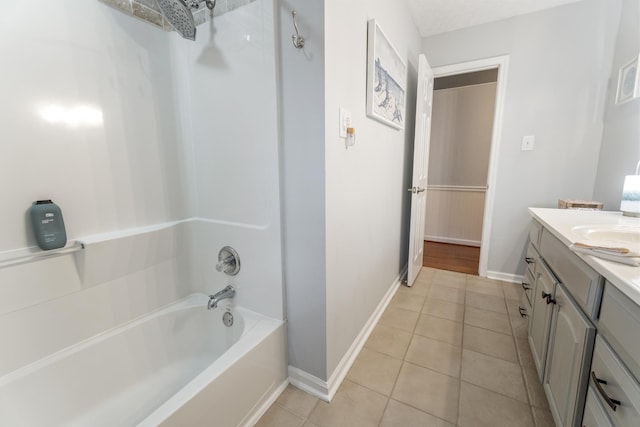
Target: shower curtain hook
pixel 297 39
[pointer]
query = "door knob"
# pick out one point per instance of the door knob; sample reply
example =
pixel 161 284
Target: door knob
pixel 420 190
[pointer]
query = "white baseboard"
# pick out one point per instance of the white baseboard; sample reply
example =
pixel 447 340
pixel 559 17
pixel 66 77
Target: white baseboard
pixel 505 277
pixel 453 240
pixel 309 383
pixel 325 390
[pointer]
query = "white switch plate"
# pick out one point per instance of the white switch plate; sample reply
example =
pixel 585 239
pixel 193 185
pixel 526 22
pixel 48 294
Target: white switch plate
pixel 345 122
pixel 528 142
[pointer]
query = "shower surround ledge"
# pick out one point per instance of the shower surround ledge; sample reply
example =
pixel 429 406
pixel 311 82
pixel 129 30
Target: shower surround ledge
pixel 148 10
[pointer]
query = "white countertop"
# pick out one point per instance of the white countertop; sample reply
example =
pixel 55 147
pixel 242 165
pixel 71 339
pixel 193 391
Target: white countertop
pixel 561 223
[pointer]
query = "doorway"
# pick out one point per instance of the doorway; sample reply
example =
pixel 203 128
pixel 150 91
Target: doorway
pixel 467 112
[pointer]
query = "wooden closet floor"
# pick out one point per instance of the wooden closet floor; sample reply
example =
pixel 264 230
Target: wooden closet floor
pixel 447 256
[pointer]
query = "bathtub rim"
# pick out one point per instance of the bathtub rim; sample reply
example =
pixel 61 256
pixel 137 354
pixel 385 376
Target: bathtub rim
pixel 190 301
pixel 262 329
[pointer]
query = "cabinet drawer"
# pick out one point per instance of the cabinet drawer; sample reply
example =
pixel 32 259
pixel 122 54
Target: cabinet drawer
pixel 535 229
pixel 617 383
pixel 619 323
pixel 582 282
pixel 532 258
pixel 594 413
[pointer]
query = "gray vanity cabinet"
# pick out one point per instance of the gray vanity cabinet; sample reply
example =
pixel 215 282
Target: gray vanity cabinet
pixel 569 353
pixel 540 320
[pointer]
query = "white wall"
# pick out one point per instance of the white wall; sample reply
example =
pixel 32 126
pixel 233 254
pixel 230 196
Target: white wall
pixel 228 81
pixel 560 60
pixel 367 205
pixel 620 149
pixel 124 173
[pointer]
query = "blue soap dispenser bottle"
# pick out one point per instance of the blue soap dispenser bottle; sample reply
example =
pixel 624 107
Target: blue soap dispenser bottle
pixel 48 225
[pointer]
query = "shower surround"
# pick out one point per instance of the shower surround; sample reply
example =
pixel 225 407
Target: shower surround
pixel 167 147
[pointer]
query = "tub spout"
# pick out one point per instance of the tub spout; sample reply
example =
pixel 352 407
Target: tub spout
pixel 214 299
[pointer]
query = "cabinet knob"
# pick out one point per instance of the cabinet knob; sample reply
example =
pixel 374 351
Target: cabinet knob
pixel 523 311
pixel 525 286
pixel 548 297
pixel 530 260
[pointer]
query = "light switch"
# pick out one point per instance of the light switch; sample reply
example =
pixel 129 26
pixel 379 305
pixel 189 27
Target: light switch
pixel 528 142
pixel 345 122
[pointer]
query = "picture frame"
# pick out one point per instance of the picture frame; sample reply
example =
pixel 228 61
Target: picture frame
pixel 386 79
pixel 628 82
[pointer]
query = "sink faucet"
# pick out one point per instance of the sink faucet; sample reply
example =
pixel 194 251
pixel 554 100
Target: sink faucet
pixel 214 299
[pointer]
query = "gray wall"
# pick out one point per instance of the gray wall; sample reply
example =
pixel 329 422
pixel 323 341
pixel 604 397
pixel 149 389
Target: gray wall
pixel 302 167
pixel 620 149
pixel 559 65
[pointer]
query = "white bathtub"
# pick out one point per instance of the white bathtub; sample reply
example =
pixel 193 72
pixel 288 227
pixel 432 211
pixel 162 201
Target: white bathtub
pixel 178 366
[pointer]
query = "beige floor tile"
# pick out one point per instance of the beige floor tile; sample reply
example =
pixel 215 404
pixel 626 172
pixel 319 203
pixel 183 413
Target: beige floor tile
pixel 480 407
pixel 297 401
pixel 444 309
pixel 486 302
pixel 543 418
pixel 494 374
pixel 353 405
pixel 536 394
pixel 399 318
pixel 447 294
pixel 407 301
pixel 428 271
pixel 309 424
pixel 513 308
pixel 436 355
pixel 388 340
pixel 400 415
pixel 494 321
pixel 522 345
pixel 418 288
pixel 375 371
pixel 277 416
pixel 490 343
pixel 512 291
pixel 439 329
pixel 482 285
pixel 449 279
pixel 429 391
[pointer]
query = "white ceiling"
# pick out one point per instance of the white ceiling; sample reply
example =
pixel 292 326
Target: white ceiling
pixel 440 16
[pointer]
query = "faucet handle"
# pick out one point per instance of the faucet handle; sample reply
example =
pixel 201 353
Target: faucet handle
pixel 228 261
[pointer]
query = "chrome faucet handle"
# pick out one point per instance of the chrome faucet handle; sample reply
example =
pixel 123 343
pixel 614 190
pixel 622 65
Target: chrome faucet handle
pixel 228 261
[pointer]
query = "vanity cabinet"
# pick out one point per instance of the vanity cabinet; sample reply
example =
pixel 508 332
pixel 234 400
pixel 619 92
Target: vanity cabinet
pixel 561 329
pixel 569 352
pixel 590 361
pixel 540 319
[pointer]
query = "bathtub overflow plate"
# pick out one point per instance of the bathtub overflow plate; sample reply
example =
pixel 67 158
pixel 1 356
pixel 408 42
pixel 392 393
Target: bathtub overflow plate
pixel 227 318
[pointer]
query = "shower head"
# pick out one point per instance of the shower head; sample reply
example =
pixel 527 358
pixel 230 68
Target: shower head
pixel 179 16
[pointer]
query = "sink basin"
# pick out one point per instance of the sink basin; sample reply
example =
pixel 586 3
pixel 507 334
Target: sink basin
pixel 609 235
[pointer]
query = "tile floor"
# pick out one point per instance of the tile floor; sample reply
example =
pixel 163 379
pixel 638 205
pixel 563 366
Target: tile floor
pixel 450 351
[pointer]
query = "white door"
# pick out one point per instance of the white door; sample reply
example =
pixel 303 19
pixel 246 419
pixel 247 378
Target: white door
pixel 420 163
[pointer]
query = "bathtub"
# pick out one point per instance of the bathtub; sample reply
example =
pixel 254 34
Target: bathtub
pixel 177 366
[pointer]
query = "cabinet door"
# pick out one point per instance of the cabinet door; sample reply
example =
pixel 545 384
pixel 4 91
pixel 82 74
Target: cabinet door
pixel 541 317
pixel 568 360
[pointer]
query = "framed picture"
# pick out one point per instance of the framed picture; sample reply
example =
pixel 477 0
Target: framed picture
pixel 386 79
pixel 628 82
